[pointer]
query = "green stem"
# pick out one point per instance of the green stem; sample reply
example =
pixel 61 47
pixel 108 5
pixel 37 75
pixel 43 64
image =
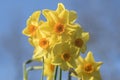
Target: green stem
pixel 69 76
pixel 34 68
pixel 60 73
pixel 42 75
pixel 25 73
pixel 72 71
pixel 55 73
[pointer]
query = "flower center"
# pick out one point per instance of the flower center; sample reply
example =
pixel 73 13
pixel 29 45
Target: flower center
pixel 66 56
pixel 31 28
pixel 88 68
pixel 79 42
pixel 43 43
pixel 59 28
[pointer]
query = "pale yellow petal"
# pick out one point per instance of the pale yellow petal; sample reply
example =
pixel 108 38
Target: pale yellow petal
pixel 89 57
pixel 85 36
pixel 98 65
pixel 83 49
pixel 64 66
pixel 34 17
pixel 26 32
pixel 48 17
pixel 80 60
pixel 57 49
pixel 64 16
pixel 72 16
pixel 50 77
pixel 57 60
pixel 39 53
pixel 96 76
pixel 60 8
pixel 72 63
pixel 30 40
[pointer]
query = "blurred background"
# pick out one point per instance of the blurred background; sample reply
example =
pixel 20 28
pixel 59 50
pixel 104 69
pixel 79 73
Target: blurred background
pixel 101 18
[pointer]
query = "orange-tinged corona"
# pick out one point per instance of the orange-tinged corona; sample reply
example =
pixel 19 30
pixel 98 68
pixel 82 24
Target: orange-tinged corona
pixel 31 29
pixel 88 68
pixel 44 43
pixel 79 42
pixel 59 28
pixel 66 56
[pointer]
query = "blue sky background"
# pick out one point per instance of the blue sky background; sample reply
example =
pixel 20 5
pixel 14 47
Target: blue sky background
pixel 99 17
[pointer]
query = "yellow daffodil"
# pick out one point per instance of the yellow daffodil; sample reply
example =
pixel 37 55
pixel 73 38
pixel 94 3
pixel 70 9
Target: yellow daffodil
pixel 32 25
pixel 64 55
pixel 43 45
pixel 79 39
pixel 48 68
pixel 58 41
pixel 62 15
pixel 61 22
pixel 88 69
pixel 42 48
pixel 43 42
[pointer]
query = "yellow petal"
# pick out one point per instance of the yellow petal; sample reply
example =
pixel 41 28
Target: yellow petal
pixel 80 60
pixel 72 16
pixel 83 49
pixel 96 76
pixel 38 53
pixel 54 16
pixel 72 63
pixel 64 16
pixel 48 17
pixel 57 49
pixel 25 32
pixel 60 8
pixel 85 36
pixel 89 57
pixel 64 66
pixel 56 60
pixel 30 40
pixel 34 17
pixel 32 24
pixel 98 65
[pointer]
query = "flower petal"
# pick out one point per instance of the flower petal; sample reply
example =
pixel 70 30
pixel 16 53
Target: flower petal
pixel 72 16
pixel 89 57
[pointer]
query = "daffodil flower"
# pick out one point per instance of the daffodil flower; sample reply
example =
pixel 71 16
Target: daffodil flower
pixel 64 55
pixel 80 39
pixel 43 42
pixel 58 41
pixel 61 22
pixel 32 25
pixel 49 68
pixel 88 69
pixel 42 48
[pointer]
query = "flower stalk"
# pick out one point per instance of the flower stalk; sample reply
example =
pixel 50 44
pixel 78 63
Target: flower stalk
pixel 60 73
pixel 25 72
pixel 42 75
pixel 55 73
pixel 69 75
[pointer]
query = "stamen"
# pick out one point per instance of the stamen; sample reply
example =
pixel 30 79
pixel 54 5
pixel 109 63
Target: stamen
pixel 66 56
pixel 88 68
pixel 43 43
pixel 59 28
pixel 79 42
pixel 31 28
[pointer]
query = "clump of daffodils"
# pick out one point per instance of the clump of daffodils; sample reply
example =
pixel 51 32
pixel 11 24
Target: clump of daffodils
pixel 58 42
